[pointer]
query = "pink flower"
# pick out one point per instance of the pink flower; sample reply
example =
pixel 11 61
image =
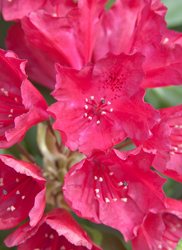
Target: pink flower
pixel 102 97
pixel 22 192
pixel 160 231
pixel 166 140
pixel 56 230
pixel 117 189
pixel 126 27
pixel 79 27
pixel 21 104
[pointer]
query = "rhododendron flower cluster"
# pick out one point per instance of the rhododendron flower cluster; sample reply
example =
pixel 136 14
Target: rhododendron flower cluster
pixel 101 151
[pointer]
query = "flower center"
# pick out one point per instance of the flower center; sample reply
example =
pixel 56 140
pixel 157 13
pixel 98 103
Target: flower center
pixel 96 109
pixel 107 185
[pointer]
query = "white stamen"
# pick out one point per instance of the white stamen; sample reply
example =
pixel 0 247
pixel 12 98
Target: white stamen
pixel 180 145
pixel 103 113
pixel 54 15
pixel 12 208
pixel 17 180
pixel 11 110
pixel 120 183
pixel 166 40
pixel 115 199
pixel 97 190
pixel 172 153
pixel 17 192
pixel 16 99
pixel 108 103
pixel 92 97
pixel 9 115
pixel 98 196
pixel 23 197
pixel 111 110
pixel 98 122
pixel 176 126
pixel 86 106
pixel 160 246
pixel 169 248
pixel 63 248
pixel 86 99
pixel 10 1
pixel 124 199
pixel 125 187
pixel 90 118
pixel 51 236
pixel 107 200
pixel 46 235
pixel 175 148
pixel 85 114
pixel 8 209
pixel 95 177
pixel 111 173
pixel 100 179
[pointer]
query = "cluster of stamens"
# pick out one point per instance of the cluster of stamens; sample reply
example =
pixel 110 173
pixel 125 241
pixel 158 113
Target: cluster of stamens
pixel 176 139
pixel 10 107
pixel 107 186
pixel 14 187
pixel 93 109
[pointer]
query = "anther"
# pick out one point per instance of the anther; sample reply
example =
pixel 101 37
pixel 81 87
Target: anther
pixel 92 97
pixel 16 99
pixel 95 177
pixel 100 179
pixel 86 106
pixel 124 199
pixel 103 113
pixel 9 115
pixel 5 192
pixel 17 192
pixel 115 199
pixel 51 236
pixel 166 40
pixel 107 200
pixel 85 114
pixel 12 208
pixel 90 118
pixel 98 196
pixel 120 183
pixel 111 173
pixel 111 110
pixel 98 122
pixel 97 190
pixel 108 103
pixel 86 100
pixel 63 248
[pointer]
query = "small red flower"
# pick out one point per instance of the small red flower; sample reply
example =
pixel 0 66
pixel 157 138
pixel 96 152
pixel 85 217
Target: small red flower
pixel 22 192
pixel 56 230
pixel 116 189
pixel 102 102
pixel 160 231
pixel 166 140
pixel 21 104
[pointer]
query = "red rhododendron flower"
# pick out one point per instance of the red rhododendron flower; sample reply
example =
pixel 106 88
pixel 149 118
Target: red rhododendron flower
pixel 56 230
pixel 160 231
pixel 22 192
pixel 167 131
pixel 116 189
pixel 102 97
pixel 21 104
pixel 78 27
pixel 128 25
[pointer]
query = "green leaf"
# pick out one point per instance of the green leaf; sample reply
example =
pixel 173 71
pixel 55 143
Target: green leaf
pixel 174 13
pixel 179 245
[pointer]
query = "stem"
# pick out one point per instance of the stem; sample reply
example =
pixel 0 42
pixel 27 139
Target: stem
pixel 52 132
pixel 24 152
pixel 123 145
